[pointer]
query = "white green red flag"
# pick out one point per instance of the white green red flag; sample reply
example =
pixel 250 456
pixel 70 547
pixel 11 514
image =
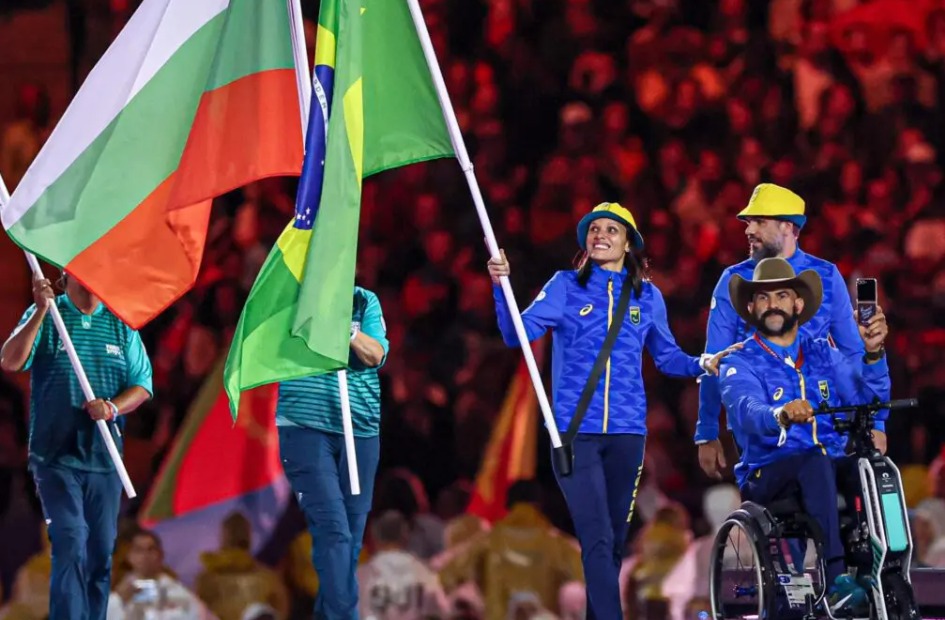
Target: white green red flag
pixel 193 99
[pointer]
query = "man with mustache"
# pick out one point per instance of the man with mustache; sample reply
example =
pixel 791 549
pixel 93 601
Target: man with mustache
pixel 774 218
pixel 767 388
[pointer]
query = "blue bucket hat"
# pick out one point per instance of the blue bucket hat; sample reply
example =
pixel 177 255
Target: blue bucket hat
pixel 610 211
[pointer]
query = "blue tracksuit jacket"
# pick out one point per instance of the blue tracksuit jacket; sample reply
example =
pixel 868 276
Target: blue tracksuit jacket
pixel 579 318
pixel 833 320
pixel 755 383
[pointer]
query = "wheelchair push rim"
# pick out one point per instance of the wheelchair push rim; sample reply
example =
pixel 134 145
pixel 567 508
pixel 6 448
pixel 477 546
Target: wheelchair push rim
pixel 745 591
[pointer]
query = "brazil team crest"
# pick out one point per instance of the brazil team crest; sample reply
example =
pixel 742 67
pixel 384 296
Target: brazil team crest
pixel 635 315
pixel 824 390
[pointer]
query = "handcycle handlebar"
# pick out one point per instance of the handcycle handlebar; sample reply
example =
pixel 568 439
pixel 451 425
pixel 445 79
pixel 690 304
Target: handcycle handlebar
pixel 902 403
pixel 860 426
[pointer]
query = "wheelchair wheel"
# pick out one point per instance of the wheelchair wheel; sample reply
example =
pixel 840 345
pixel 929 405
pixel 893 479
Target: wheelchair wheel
pixel 900 599
pixel 741 580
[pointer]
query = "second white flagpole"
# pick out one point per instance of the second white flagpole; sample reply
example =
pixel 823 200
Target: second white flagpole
pixel 459 146
pixel 305 78
pixel 102 425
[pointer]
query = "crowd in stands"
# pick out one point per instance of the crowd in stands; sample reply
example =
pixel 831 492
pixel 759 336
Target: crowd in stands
pixel 674 108
pixel 425 567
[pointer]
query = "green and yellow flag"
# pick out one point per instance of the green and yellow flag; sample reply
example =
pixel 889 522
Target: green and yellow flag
pixel 385 115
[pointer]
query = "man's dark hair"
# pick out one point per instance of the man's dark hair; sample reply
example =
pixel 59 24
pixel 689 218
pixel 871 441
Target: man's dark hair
pixel 142 533
pixel 523 492
pixel 390 528
pixel 237 531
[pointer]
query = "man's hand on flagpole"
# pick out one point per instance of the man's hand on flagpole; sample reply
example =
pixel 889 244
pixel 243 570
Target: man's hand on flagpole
pixel 42 293
pixel 99 409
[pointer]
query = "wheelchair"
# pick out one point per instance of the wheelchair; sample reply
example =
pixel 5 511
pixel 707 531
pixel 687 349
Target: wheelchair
pixel 750 575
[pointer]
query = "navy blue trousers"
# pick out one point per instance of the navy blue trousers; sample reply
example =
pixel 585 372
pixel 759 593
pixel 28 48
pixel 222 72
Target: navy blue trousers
pixel 814 474
pixel 600 493
pixel 81 510
pixel 316 464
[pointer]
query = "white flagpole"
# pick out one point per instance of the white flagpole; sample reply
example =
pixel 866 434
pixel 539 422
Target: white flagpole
pixel 77 366
pixel 348 429
pixel 459 146
pixel 303 74
pixel 305 78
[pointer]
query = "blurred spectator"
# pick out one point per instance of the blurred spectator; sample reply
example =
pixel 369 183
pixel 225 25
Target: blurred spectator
pixel 572 601
pixel 402 491
pixel 300 575
pixel 928 532
pixel 19 507
pixel 29 598
pixel 22 138
pixel 259 611
pixel 232 580
pixel 527 606
pixel 394 584
pixel 812 73
pixel 915 484
pixel 146 592
pixel 659 547
pixel 459 534
pixel 523 555
pixel 687 584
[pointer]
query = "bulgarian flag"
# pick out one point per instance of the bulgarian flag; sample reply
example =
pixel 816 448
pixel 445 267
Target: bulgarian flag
pixel 374 108
pixel 213 469
pixel 193 99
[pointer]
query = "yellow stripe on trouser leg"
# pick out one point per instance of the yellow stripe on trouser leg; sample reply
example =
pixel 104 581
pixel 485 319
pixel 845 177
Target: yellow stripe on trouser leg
pixel 636 489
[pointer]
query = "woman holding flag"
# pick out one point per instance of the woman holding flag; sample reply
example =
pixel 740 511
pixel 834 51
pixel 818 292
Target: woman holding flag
pixel 603 314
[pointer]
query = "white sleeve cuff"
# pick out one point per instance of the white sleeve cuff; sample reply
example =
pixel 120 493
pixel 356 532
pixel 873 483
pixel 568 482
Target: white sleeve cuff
pixel 777 418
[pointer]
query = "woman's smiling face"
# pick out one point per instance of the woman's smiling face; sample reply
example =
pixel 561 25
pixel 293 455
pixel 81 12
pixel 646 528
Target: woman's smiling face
pixel 607 241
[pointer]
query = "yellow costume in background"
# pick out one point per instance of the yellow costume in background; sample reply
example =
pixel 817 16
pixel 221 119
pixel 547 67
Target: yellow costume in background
pixel 29 598
pixel 522 553
pixel 662 544
pixel 232 580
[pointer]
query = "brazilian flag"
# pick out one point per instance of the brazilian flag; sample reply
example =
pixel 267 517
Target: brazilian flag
pixel 374 107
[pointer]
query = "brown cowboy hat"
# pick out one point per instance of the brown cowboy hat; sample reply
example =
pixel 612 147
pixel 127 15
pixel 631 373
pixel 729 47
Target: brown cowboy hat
pixel 777 273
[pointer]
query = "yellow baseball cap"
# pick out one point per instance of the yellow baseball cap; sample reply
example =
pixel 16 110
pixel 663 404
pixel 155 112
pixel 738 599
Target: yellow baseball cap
pixel 776 202
pixel 611 211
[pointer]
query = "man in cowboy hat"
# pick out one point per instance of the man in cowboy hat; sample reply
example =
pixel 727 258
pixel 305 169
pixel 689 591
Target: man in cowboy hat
pixel 774 218
pixel 767 388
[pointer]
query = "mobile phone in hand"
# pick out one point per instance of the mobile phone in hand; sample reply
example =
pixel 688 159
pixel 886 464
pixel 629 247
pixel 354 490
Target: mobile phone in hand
pixel 866 299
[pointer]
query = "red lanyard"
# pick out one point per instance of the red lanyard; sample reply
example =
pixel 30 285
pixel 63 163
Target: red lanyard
pixel 800 353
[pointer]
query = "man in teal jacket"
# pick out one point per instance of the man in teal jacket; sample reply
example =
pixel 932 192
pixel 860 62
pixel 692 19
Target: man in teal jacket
pixel 76 480
pixel 768 386
pixel 312 447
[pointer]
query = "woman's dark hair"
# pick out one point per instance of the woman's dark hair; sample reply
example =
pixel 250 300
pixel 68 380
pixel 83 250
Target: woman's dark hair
pixel 635 263
pixel 400 489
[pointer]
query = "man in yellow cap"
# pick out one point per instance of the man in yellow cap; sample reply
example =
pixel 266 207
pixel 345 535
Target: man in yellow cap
pixel 774 218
